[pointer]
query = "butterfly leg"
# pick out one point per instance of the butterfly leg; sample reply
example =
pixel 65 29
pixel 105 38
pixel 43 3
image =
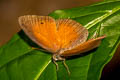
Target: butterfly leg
pixel 66 66
pixel 57 66
pixel 57 57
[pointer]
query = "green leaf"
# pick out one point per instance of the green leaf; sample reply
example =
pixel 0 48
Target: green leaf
pixel 19 61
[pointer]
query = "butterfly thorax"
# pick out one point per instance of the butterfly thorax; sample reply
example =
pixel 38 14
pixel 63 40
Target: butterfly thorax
pixel 57 57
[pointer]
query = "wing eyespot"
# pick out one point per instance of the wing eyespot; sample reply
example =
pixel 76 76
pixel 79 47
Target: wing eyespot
pixel 41 23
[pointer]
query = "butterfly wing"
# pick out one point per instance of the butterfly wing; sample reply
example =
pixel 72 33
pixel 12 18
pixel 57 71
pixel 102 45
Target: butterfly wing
pixel 42 30
pixel 84 47
pixel 71 33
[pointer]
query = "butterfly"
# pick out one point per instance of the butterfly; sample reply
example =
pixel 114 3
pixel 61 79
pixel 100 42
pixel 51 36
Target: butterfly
pixel 61 37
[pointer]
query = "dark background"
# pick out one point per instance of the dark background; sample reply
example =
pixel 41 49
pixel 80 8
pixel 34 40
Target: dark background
pixel 10 10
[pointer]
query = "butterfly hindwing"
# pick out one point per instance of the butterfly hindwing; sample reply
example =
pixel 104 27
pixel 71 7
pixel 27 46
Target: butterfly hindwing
pixel 83 47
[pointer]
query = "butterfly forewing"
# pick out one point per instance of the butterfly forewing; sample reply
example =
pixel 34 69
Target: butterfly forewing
pixel 42 30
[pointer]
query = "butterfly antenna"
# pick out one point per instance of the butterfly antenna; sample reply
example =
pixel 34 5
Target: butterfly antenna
pixel 68 18
pixel 66 67
pixel 97 32
pixel 39 49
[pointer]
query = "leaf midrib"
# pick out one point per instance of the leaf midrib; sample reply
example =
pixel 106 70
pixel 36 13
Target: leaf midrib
pixel 101 18
pixel 41 70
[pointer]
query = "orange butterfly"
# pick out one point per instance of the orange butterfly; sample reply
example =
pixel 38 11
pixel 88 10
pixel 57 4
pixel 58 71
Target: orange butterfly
pixel 62 37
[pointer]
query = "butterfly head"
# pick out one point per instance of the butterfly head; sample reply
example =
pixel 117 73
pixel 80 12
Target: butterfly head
pixel 57 57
